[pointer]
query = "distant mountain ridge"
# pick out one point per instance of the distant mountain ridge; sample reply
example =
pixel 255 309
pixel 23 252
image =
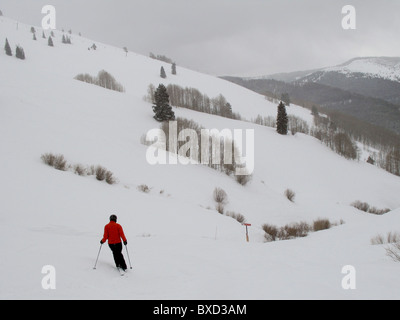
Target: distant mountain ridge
pixel 366 88
pixel 387 68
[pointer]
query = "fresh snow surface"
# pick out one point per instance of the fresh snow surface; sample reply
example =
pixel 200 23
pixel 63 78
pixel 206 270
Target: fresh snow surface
pixel 179 245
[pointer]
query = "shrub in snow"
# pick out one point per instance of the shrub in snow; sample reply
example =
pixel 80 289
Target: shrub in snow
pixel 143 188
pixel 321 224
pixel 364 206
pixel 56 161
pixel 393 251
pixel 101 173
pixel 391 237
pixel 110 179
pixel 220 207
pixel 290 194
pixel 377 211
pixel 243 179
pixel 237 216
pixel 220 196
pixel 271 232
pixel 294 230
pixel 80 170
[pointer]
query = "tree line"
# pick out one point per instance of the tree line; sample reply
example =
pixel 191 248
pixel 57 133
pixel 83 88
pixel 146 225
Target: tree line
pixel 193 99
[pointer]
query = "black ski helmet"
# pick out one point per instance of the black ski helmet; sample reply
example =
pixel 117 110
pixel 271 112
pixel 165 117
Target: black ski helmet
pixel 113 217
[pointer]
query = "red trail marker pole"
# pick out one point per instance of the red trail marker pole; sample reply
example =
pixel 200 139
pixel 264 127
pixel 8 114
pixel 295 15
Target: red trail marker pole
pixel 247 231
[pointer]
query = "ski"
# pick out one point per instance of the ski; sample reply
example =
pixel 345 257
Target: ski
pixel 121 272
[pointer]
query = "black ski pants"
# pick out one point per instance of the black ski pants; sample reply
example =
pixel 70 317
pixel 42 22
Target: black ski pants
pixel 116 249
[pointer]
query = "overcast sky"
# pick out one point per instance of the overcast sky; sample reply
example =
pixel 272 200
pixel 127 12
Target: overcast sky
pixel 229 37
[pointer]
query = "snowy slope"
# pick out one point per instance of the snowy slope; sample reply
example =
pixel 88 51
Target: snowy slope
pixel 373 67
pixel 180 247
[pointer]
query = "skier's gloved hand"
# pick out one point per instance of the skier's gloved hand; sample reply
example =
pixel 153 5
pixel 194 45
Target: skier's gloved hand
pixel 101 241
pixel 125 242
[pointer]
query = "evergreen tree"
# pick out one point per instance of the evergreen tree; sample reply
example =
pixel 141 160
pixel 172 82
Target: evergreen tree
pixel 162 73
pixel 7 48
pixel 34 36
pixel 19 53
pixel 162 109
pixel 173 68
pixel 282 120
pixel 43 35
pixel 50 42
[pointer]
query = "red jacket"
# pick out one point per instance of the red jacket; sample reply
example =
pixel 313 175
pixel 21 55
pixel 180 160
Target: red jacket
pixel 113 232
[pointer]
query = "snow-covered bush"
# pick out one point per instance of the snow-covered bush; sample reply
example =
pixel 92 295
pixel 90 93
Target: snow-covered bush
pixel 290 194
pixel 295 229
pixel 143 188
pixel 271 232
pixel 321 224
pixel 391 237
pixel 237 216
pixel 364 206
pixel 393 251
pixel 220 207
pixel 220 195
pixel 101 173
pixel 56 161
pixel 80 169
pixel 243 179
pixel 110 179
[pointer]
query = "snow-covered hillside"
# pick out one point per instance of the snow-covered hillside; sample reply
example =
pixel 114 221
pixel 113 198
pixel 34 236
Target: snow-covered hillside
pixel 179 245
pixel 373 67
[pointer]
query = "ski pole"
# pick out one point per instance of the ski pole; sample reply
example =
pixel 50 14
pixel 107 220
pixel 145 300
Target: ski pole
pixel 126 247
pixel 97 257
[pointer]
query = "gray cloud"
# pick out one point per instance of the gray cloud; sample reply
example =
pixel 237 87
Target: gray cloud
pixel 230 37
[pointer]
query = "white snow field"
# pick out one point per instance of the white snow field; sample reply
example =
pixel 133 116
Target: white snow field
pixel 179 245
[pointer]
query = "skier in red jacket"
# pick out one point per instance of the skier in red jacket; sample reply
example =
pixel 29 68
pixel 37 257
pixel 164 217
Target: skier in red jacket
pixel 113 232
